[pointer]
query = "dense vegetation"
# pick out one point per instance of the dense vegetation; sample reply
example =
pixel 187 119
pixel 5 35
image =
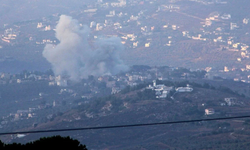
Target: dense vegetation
pixel 140 94
pixel 55 142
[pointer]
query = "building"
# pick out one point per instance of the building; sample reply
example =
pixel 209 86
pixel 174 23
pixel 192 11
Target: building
pixel 233 26
pixel 5 76
pixel 92 24
pixel 147 44
pixel 90 10
pixel 164 94
pixel 39 25
pixel 226 16
pixel 54 103
pixel 209 111
pixel 51 83
pixel 133 78
pixel 230 101
pixel 115 90
pixel 248 67
pixel 174 27
pixel 161 91
pixel 62 83
pixel 226 69
pixel 99 27
pixel 19 81
pixel 184 89
pixel 47 28
pixel 245 20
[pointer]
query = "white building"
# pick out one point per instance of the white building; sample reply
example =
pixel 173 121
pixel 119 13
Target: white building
pixel 62 83
pixel 209 111
pixel 230 101
pixel 47 28
pixel 52 83
pixel 163 95
pixel 161 91
pixel 92 24
pixel 245 20
pixel 226 16
pixel 54 103
pixel 184 89
pixel 99 27
pixel 233 26
pixel 19 81
pixel 39 25
pixel 115 90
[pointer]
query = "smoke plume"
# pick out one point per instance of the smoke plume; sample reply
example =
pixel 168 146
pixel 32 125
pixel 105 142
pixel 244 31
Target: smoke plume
pixel 74 57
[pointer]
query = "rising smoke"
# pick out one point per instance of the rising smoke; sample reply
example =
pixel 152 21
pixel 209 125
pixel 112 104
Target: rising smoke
pixel 74 57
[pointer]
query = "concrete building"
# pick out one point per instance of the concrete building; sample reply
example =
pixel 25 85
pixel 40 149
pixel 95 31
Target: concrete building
pixel 62 83
pixel 209 111
pixel 230 101
pixel 19 81
pixel 233 26
pixel 161 91
pixel 184 89
pixel 245 20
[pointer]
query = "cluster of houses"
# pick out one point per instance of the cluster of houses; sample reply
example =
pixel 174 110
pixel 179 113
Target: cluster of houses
pixel 162 91
pixel 229 101
pixel 19 115
pixel 9 35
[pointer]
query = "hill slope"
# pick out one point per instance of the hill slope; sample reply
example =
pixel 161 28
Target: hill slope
pixel 132 108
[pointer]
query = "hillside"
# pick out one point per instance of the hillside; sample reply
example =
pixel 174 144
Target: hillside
pixel 134 107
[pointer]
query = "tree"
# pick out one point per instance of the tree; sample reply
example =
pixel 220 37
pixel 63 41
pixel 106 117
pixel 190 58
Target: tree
pixel 54 142
pixel 64 103
pixel 1 144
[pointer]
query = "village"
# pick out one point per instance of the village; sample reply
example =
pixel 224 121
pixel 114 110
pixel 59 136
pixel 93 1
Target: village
pixel 53 95
pixel 137 32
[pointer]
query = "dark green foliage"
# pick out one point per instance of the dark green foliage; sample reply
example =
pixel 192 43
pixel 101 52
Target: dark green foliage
pixel 49 72
pixel 206 85
pixel 137 87
pixel 140 68
pixel 1 144
pixel 181 84
pixel 183 72
pixel 166 82
pixel 199 74
pixel 247 122
pixel 228 90
pixel 146 94
pixel 186 100
pixel 55 142
pixel 64 102
pixel 196 85
pixel 194 111
pixel 179 72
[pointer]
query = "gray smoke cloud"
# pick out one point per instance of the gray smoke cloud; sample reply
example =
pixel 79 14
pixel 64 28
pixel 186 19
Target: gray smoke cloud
pixel 74 57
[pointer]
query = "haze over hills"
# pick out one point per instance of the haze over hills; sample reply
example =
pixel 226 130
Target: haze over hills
pixel 192 34
pixel 12 11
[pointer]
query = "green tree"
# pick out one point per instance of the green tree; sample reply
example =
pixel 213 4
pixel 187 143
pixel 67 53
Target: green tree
pixel 54 142
pixel 1 145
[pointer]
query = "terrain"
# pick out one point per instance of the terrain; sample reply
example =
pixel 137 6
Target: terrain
pixel 148 22
pixel 137 106
pixel 198 44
